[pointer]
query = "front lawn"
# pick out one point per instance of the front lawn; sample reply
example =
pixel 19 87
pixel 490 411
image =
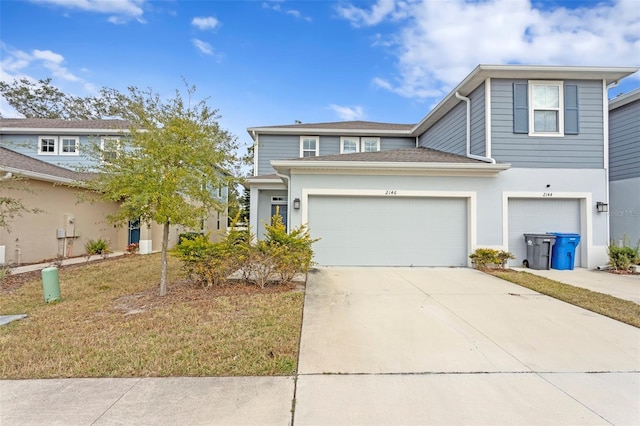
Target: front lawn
pixel 604 304
pixel 111 323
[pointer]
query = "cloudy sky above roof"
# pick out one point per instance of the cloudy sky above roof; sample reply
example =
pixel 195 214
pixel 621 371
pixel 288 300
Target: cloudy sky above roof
pixel 274 62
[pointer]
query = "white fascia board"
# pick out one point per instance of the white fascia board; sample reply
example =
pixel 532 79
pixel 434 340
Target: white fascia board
pixel 624 99
pixel 61 131
pixel 321 131
pixel 38 176
pixel 378 165
pixel 528 72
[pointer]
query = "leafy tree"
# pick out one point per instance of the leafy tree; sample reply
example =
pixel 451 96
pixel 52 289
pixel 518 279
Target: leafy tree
pixel 40 99
pixel 167 167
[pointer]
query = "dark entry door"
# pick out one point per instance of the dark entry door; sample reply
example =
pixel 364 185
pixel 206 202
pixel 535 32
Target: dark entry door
pixel 134 232
pixel 280 209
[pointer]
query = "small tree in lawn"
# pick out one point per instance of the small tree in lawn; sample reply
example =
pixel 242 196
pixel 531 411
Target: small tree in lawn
pixel 167 167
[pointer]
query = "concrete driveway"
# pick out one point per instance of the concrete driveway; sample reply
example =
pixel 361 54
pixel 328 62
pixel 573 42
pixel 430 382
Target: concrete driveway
pixel 455 346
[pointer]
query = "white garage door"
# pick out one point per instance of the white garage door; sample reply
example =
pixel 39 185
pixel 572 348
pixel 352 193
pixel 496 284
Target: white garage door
pixel 536 216
pixel 389 231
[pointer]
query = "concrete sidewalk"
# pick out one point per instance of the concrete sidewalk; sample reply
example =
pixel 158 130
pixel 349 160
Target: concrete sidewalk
pixel 64 262
pixel 621 286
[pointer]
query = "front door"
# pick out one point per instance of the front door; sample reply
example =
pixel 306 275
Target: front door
pixel 280 209
pixel 134 232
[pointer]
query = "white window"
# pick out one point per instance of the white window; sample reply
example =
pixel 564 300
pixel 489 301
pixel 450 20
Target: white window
pixel 69 145
pixel 109 148
pixel 48 145
pixel 370 144
pixel 349 145
pixel 309 146
pixel 546 109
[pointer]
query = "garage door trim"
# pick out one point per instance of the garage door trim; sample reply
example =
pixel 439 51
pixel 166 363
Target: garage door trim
pixel 586 215
pixel 470 196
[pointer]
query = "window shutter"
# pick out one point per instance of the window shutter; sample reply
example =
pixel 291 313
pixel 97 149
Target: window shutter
pixel 570 109
pixel 520 108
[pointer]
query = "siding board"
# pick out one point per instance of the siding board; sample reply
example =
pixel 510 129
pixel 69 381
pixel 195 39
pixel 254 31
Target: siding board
pixel 624 142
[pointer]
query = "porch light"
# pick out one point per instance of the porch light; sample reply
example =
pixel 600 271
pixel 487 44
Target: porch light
pixel 296 203
pixel 602 207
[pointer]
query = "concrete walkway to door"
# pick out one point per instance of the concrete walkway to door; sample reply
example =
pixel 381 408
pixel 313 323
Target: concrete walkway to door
pixel 456 346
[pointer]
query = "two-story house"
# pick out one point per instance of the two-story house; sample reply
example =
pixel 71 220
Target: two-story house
pixel 511 150
pixel 624 167
pixel 47 152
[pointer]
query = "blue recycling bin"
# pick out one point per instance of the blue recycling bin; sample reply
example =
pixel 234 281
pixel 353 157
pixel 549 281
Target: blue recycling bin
pixel 563 252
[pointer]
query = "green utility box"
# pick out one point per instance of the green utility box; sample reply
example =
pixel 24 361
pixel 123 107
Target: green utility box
pixel 51 284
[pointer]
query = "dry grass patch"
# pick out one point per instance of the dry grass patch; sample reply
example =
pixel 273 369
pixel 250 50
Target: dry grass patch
pixel 111 323
pixel 622 310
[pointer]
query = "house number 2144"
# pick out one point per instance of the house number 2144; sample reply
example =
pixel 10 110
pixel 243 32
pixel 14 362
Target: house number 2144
pixel 547 194
pixel 391 192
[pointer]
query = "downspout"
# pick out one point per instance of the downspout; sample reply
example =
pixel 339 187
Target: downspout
pixel 288 197
pixel 469 154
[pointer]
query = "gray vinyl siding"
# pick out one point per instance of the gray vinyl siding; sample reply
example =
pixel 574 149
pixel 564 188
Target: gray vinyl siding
pixel 284 147
pixel 276 147
pixel 624 142
pixel 449 133
pixel 396 143
pixel 582 151
pixel 478 135
pixel 28 145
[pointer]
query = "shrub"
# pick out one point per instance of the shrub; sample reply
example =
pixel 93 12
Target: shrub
pixel 4 273
pixel 99 246
pixel 622 258
pixel 205 262
pixel 484 258
pixel 291 252
pixel 189 236
pixel 132 248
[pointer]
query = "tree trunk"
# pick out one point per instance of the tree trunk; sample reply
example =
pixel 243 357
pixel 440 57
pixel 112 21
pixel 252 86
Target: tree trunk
pixel 165 244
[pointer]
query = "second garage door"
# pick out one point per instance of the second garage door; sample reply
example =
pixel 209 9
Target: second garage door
pixel 389 231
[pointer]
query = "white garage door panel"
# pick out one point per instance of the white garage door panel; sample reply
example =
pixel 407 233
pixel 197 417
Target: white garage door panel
pixel 389 231
pixel 536 216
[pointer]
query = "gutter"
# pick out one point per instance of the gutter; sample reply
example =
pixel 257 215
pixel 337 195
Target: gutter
pixel 380 165
pixel 38 176
pixel 469 154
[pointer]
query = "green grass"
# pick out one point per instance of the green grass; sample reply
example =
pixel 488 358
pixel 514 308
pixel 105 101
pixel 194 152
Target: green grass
pixel 622 310
pixel 111 323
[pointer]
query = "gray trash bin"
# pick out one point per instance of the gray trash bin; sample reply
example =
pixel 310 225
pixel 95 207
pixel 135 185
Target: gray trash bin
pixel 538 250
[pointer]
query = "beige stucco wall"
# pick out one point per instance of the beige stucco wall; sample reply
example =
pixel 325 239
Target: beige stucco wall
pixel 33 237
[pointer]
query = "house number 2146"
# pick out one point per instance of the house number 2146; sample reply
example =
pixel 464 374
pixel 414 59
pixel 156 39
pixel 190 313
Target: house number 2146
pixel 391 192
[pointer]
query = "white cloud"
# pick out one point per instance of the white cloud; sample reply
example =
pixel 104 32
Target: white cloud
pixel 204 47
pixel 48 56
pixel 348 113
pixel 276 5
pixel 121 10
pixel 205 22
pixel 438 43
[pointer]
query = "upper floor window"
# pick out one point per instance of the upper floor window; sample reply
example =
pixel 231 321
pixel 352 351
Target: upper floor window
pixel 109 148
pixel 309 146
pixel 546 108
pixel 69 145
pixel 370 144
pixel 349 145
pixel 47 145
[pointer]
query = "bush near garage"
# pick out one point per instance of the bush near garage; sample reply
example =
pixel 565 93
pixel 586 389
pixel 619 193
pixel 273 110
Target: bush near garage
pixel 277 258
pixel 624 257
pixel 486 258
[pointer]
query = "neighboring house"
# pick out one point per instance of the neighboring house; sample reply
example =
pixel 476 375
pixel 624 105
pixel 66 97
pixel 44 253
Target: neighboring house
pixel 46 152
pixel 511 150
pixel 624 167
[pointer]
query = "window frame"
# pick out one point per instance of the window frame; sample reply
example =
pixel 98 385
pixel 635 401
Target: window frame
pixel 77 145
pixel 55 145
pixel 344 139
pixel 316 151
pixel 366 139
pixel 103 139
pixel 559 109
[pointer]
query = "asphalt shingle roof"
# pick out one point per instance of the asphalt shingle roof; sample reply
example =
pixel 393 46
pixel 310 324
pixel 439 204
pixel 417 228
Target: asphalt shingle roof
pixel 50 123
pixel 352 125
pixel 9 158
pixel 406 155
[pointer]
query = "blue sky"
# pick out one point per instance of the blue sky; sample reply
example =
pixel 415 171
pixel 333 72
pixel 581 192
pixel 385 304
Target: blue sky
pixel 274 62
